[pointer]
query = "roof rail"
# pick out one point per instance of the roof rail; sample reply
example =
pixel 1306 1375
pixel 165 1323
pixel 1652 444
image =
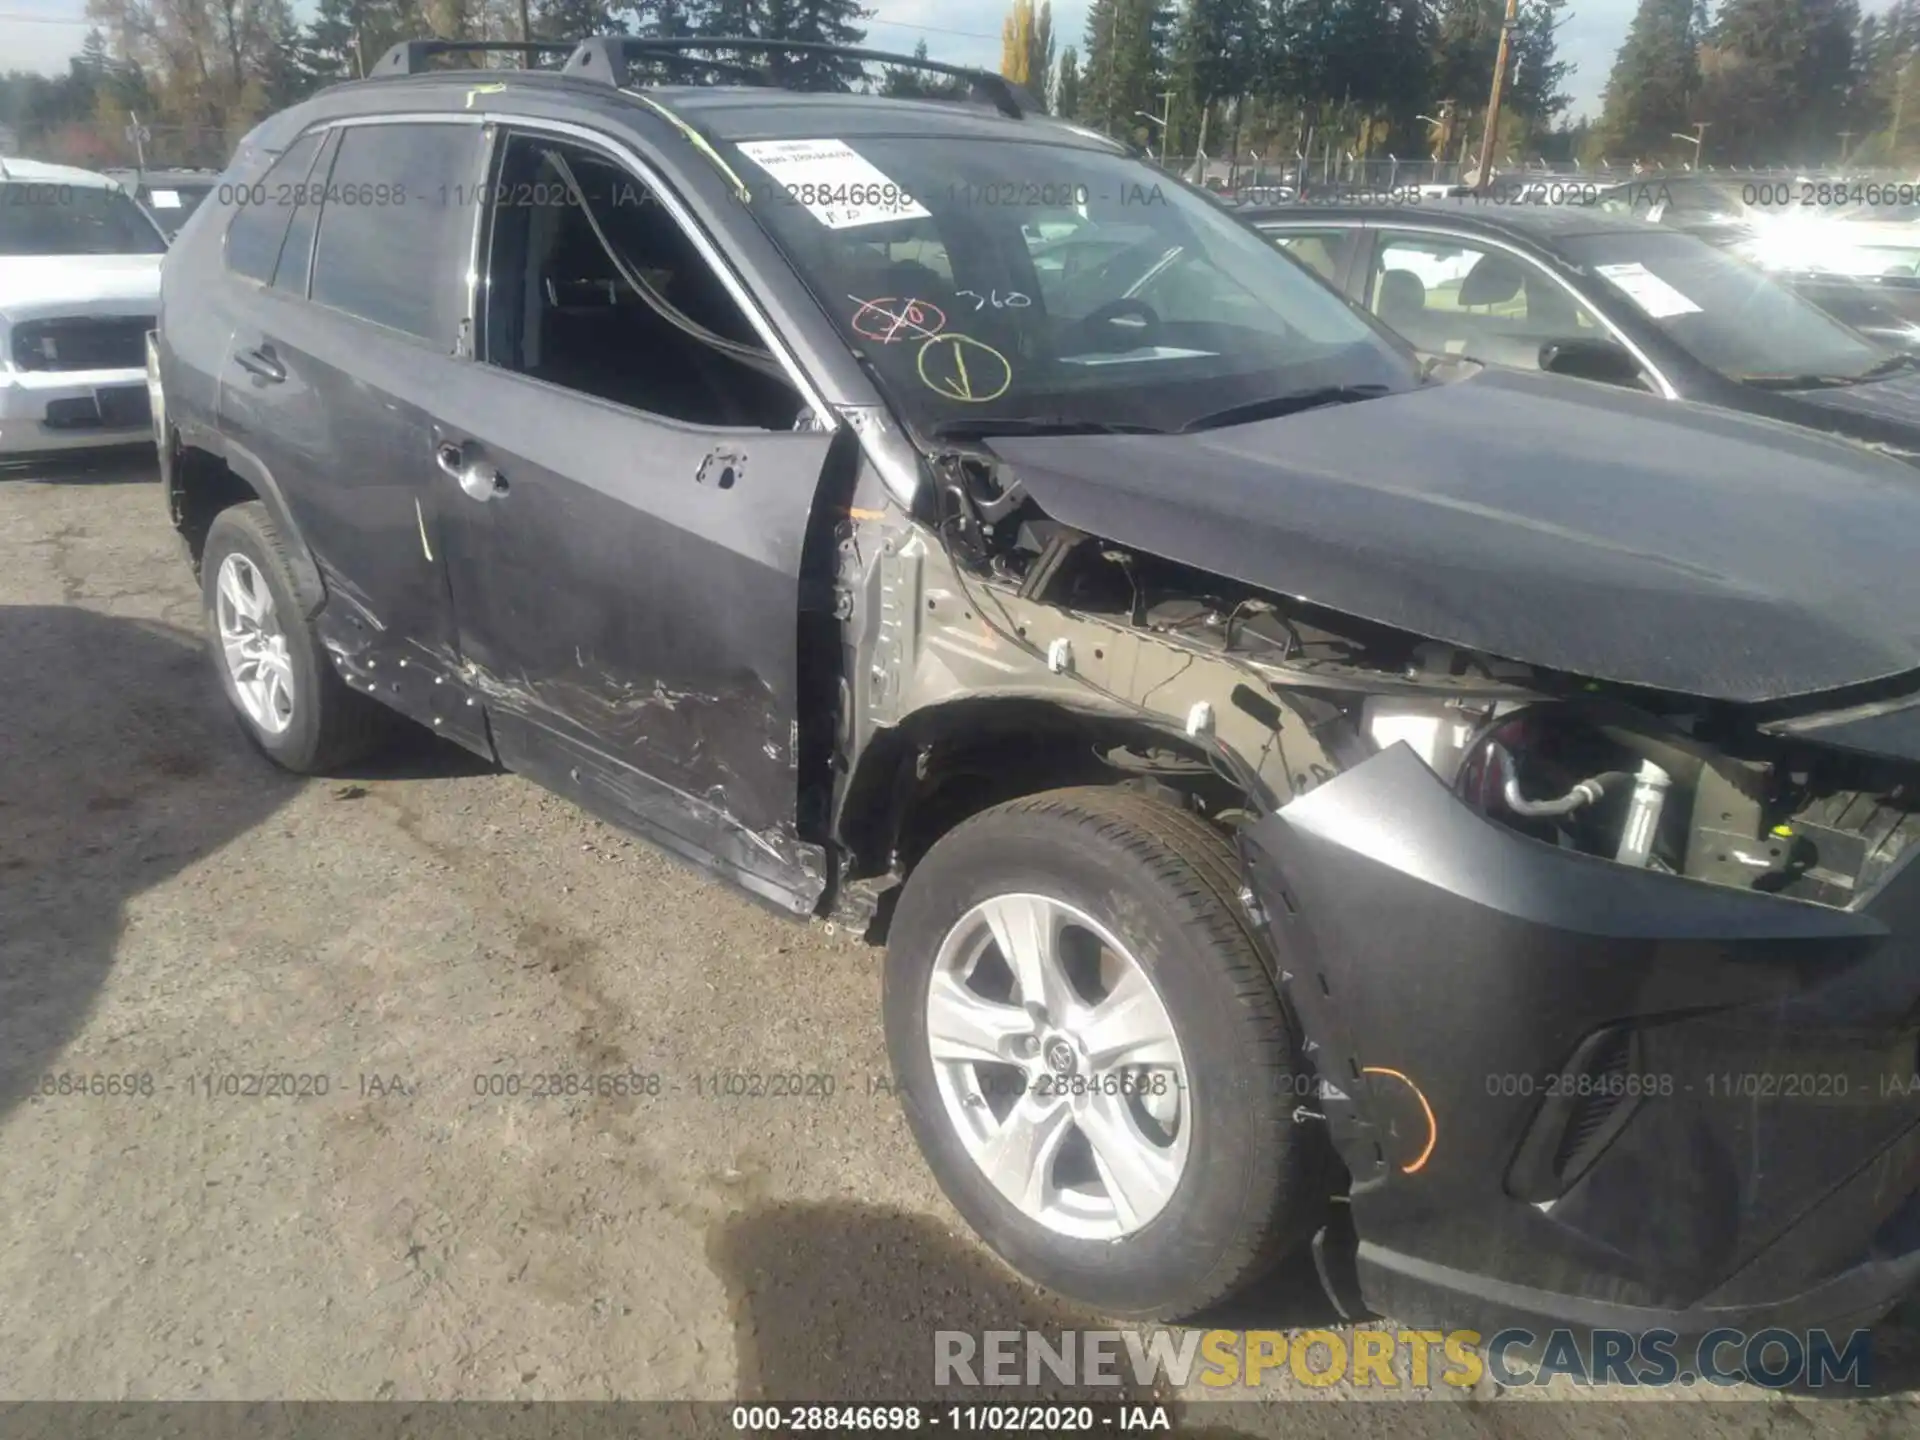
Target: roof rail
pixel 607 58
pixel 412 57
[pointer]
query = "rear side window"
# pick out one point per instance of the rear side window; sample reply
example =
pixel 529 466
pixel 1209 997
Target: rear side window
pixel 263 208
pixel 1318 250
pixel 397 225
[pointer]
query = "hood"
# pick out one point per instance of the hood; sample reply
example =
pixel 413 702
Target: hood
pixel 1563 524
pixel 1895 398
pixel 37 286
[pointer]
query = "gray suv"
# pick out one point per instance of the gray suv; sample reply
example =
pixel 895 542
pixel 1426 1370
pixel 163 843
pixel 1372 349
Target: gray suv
pixel 1313 798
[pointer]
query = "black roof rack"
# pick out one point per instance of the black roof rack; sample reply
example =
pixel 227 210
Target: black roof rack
pixel 412 57
pixel 607 58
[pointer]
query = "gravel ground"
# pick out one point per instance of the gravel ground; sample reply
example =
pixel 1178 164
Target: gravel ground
pixel 409 940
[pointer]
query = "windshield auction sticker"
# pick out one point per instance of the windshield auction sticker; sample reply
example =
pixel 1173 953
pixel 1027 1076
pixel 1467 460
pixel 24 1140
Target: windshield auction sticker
pixel 837 186
pixel 1647 290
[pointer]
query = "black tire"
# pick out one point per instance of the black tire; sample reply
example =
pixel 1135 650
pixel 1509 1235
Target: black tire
pixel 1256 1183
pixel 331 724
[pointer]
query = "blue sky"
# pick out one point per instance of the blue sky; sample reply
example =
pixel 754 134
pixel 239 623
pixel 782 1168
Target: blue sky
pixel 41 34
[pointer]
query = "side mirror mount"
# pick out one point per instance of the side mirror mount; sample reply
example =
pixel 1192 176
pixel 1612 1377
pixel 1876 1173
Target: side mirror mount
pixel 1607 361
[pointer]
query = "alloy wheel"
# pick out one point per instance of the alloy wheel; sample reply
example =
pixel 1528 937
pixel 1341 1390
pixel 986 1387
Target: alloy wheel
pixel 1058 1066
pixel 254 645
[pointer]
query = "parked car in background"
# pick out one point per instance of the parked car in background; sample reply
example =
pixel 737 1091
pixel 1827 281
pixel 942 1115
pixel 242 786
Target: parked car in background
pixel 1578 291
pixel 79 288
pixel 170 196
pixel 1862 263
pixel 1855 261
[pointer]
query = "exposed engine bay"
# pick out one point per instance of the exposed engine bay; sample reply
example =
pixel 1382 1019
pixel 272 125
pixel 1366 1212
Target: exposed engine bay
pixel 1677 784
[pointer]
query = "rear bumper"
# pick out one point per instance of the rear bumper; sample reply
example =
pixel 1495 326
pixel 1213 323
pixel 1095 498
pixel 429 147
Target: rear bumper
pixel 48 410
pixel 1571 1094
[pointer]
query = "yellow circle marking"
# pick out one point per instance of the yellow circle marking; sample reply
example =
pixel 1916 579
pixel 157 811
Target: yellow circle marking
pixel 1433 1127
pixel 963 384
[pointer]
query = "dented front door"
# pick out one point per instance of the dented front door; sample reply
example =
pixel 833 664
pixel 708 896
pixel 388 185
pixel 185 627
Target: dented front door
pixel 628 606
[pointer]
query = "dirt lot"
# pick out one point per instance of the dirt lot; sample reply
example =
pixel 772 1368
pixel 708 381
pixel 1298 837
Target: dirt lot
pixel 413 941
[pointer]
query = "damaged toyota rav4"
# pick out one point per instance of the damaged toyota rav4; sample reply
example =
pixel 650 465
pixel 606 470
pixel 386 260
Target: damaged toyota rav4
pixel 1459 823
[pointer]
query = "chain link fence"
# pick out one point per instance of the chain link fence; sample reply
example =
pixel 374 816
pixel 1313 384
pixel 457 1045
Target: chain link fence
pixel 110 145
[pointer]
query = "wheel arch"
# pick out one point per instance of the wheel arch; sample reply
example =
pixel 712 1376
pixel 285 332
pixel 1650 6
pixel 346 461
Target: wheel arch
pixel 947 762
pixel 201 484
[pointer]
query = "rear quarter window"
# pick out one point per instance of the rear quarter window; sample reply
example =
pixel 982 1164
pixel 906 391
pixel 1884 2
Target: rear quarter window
pixel 262 209
pixel 396 226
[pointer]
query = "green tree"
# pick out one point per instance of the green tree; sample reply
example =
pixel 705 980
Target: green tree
pixel 1066 85
pixel 904 83
pixel 1096 78
pixel 347 37
pixel 1777 79
pixel 1216 57
pixel 1040 44
pixel 1656 77
pixel 816 22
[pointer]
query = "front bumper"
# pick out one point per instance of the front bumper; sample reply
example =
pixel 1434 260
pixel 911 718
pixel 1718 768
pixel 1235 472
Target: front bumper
pixel 47 410
pixel 1573 1094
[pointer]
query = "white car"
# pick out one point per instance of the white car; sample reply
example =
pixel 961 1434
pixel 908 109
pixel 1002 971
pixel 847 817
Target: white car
pixel 79 288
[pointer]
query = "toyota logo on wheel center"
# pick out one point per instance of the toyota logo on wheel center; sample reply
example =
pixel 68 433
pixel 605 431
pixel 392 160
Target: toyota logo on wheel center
pixel 1060 1056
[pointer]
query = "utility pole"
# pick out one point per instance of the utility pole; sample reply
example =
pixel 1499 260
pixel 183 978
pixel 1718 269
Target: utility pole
pixel 1485 172
pixel 1845 136
pixel 526 35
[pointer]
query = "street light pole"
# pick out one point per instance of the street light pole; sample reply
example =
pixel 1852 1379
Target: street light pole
pixel 1698 140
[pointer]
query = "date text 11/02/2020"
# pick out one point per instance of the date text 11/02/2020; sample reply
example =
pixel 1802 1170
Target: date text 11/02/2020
pixel 1043 1419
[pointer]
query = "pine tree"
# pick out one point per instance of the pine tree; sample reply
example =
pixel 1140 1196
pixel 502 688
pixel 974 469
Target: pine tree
pixel 903 83
pixel 1066 85
pixel 1779 78
pixel 93 60
pixel 1096 76
pixel 1136 67
pixel 1656 77
pixel 1040 52
pixel 346 38
pixel 816 22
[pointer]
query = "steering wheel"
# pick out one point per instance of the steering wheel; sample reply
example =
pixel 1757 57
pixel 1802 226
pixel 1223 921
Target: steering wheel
pixel 1107 332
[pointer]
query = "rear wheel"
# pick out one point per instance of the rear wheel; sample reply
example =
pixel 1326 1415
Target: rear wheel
pixel 1093 1055
pixel 290 701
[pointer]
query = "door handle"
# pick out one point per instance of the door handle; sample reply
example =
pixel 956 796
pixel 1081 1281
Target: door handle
pixel 480 479
pixel 263 363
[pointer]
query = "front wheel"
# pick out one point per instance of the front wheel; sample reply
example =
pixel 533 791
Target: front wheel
pixel 1093 1056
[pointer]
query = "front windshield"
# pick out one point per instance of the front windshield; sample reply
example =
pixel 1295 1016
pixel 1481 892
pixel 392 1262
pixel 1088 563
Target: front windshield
pixel 1727 314
pixel 58 218
pixel 989 283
